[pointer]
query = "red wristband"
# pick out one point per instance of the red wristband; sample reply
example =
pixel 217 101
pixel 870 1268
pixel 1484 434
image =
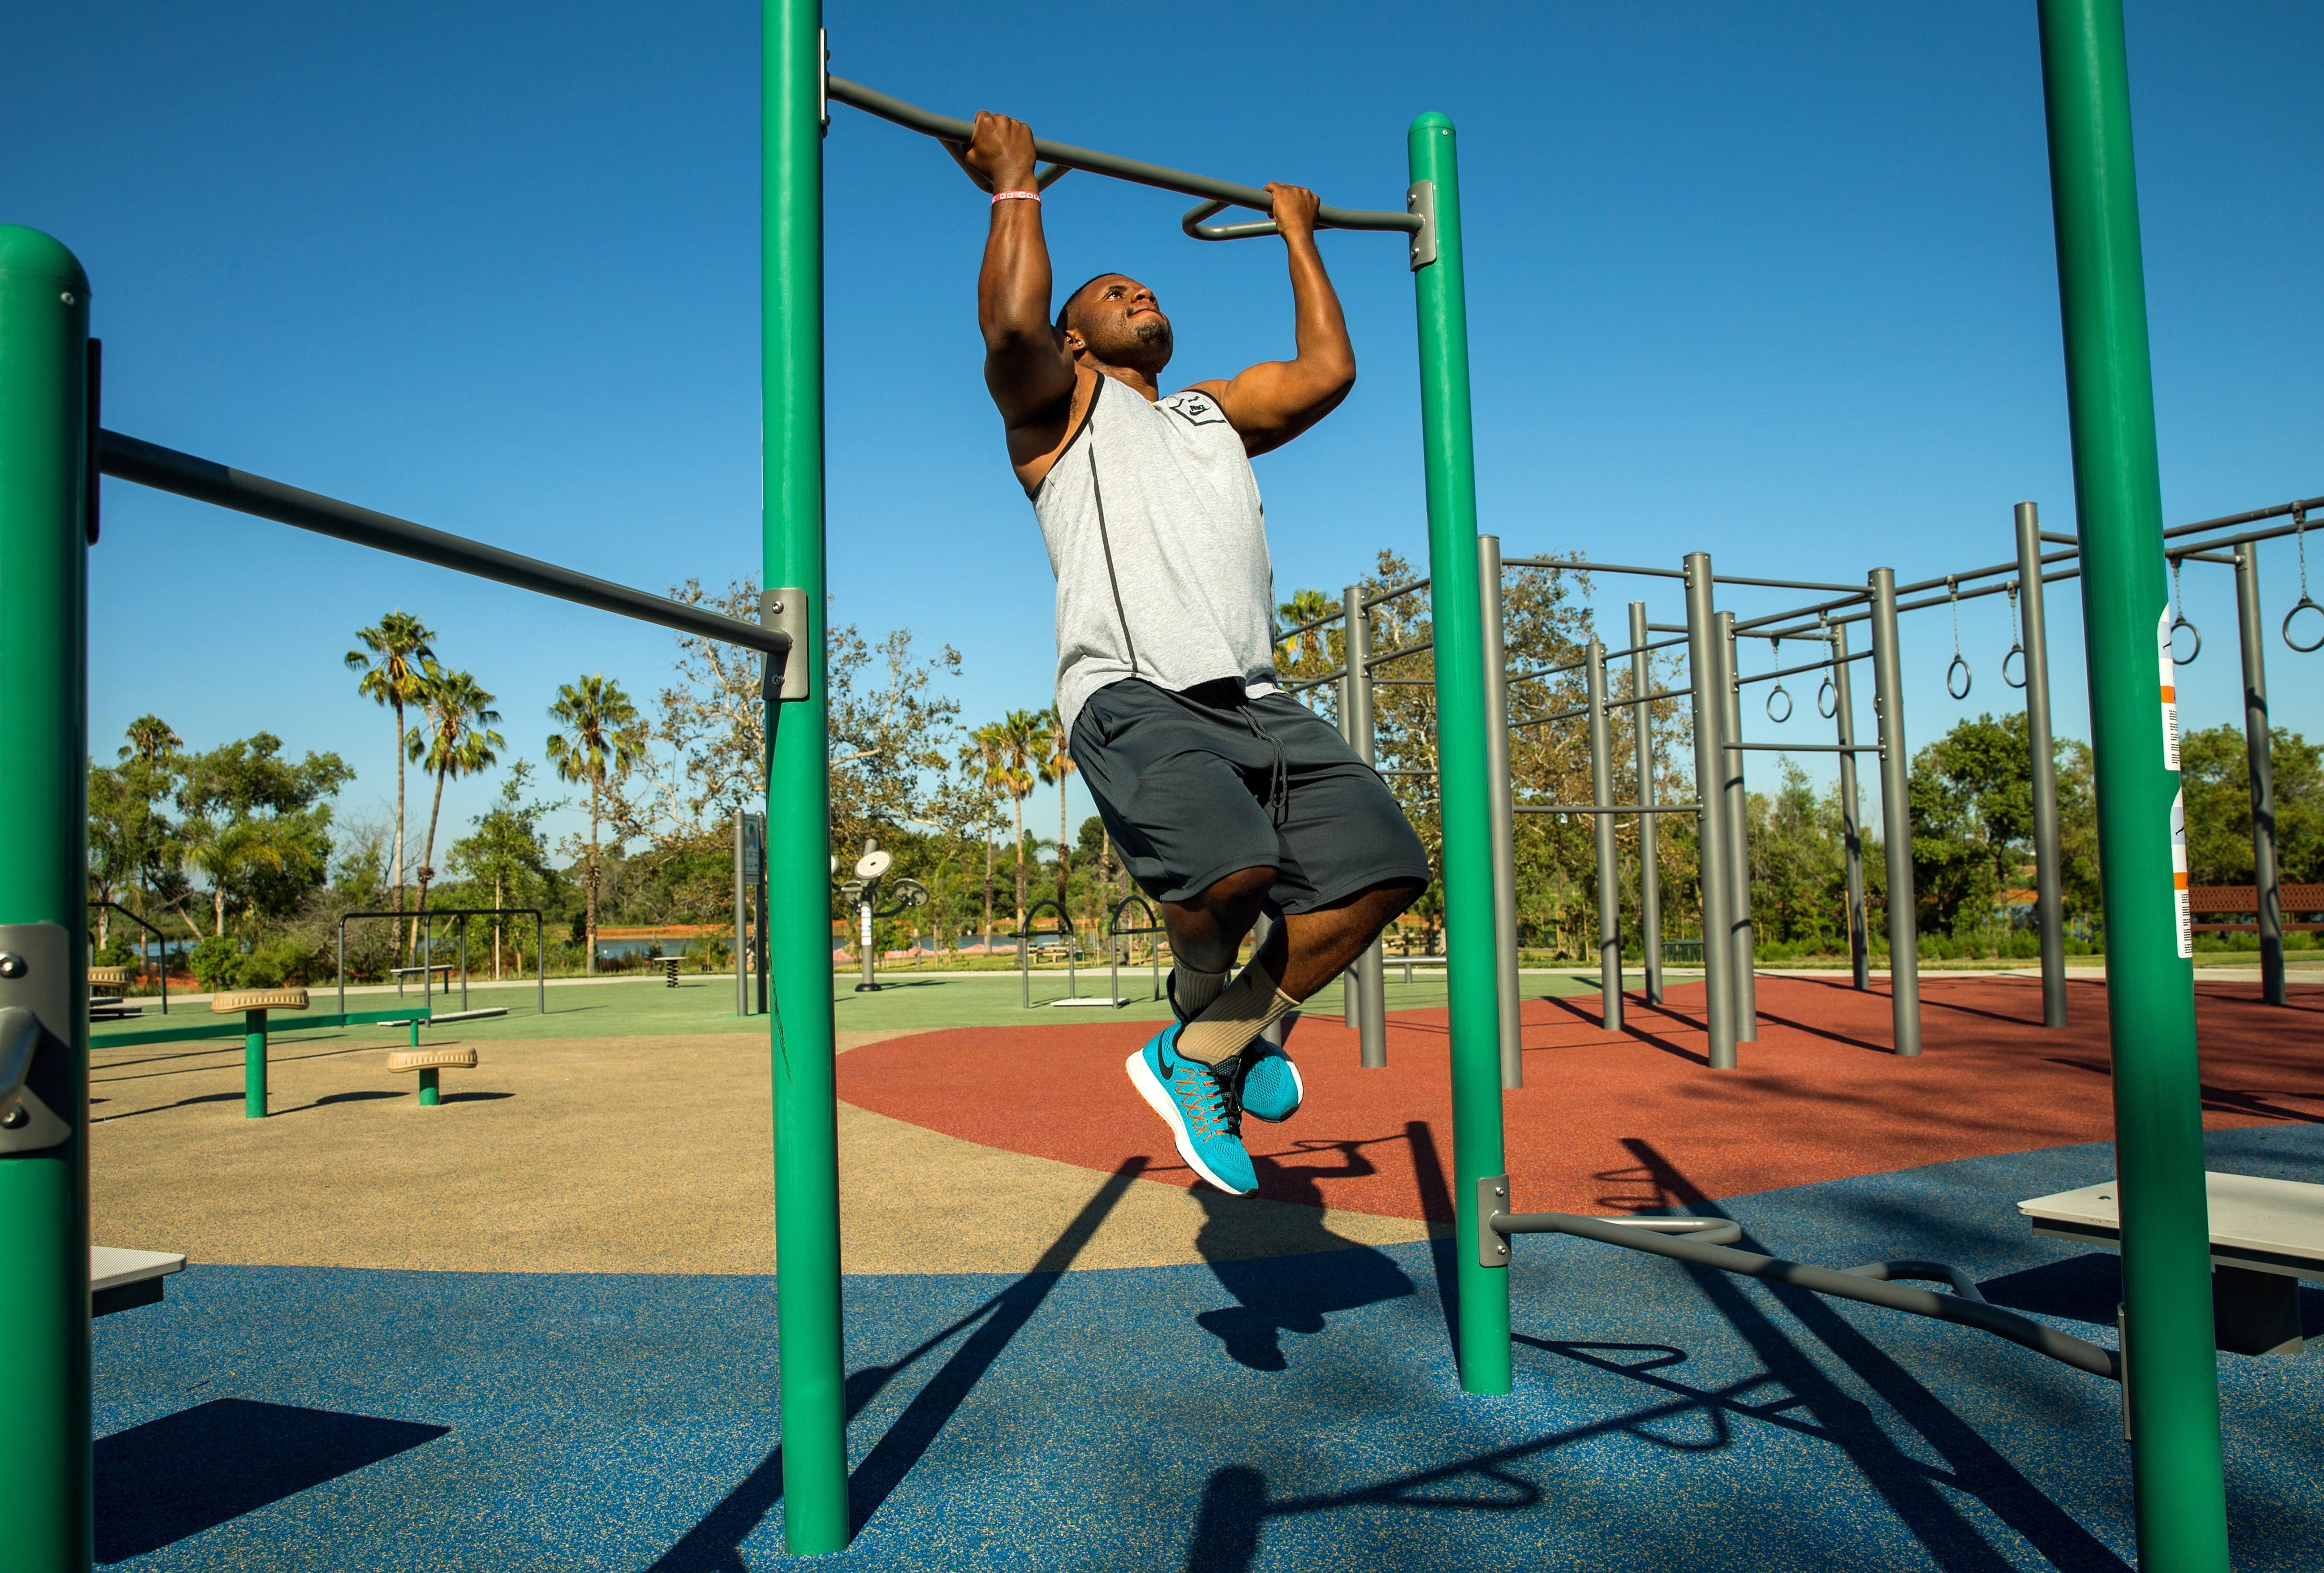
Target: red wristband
pixel 1016 195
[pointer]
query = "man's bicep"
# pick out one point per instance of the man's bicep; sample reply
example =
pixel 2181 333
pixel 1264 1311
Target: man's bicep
pixel 1270 403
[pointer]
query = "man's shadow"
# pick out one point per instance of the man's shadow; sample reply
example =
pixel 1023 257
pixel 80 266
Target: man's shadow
pixel 1287 1271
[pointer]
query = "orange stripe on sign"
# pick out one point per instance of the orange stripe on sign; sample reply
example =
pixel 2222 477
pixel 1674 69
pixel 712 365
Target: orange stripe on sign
pixel 2170 695
pixel 2179 882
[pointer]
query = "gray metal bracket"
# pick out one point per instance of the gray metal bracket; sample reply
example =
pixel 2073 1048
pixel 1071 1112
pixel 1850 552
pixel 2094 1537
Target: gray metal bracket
pixel 1493 1244
pixel 1420 198
pixel 785 611
pixel 38 977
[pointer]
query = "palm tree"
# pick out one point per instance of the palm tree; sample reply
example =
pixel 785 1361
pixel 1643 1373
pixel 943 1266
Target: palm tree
pixel 459 741
pixel 1020 739
pixel 1304 606
pixel 602 741
pixel 151 739
pixel 220 849
pixel 1056 764
pixel 988 741
pixel 390 664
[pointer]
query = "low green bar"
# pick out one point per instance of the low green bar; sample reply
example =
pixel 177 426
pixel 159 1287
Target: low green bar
pixel 194 1032
pixel 253 1064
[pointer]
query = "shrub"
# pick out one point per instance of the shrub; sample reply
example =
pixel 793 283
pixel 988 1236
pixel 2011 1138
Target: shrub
pixel 216 962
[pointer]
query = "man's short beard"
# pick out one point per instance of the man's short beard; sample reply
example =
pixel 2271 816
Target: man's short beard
pixel 1151 331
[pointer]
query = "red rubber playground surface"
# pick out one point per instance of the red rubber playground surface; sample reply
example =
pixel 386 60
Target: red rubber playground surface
pixel 1817 1096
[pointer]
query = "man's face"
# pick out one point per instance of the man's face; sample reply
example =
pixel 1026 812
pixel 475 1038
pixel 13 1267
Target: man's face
pixel 1118 320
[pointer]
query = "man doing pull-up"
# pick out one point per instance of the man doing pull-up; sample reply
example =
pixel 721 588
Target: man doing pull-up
pixel 1226 796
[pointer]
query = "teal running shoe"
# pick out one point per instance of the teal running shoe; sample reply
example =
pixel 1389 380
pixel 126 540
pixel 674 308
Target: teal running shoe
pixel 1271 1086
pixel 1193 1102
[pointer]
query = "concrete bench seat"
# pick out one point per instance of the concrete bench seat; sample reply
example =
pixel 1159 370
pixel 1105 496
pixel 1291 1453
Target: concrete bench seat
pixel 2266 1236
pixel 121 1280
pixel 425 1063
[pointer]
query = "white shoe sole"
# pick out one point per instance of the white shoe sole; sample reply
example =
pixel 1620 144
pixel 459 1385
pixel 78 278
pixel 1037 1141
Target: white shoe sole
pixel 1157 1098
pixel 1298 1103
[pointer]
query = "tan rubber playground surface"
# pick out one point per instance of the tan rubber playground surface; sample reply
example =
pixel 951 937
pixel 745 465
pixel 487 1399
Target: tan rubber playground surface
pixel 645 1154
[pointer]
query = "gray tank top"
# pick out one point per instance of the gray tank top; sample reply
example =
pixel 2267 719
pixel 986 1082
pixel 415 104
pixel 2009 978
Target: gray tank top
pixel 1158 541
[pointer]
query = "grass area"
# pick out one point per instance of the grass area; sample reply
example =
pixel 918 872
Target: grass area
pixel 910 1002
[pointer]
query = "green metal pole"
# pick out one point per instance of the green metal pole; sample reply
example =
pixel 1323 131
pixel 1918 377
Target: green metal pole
pixel 2172 1393
pixel 798 792
pixel 44 1420
pixel 1465 789
pixel 430 1090
pixel 253 1064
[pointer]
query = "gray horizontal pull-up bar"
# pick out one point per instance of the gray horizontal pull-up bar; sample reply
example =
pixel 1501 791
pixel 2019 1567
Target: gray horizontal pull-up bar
pixel 1423 648
pixel 1803 748
pixel 1590 567
pixel 1407 772
pixel 2230 520
pixel 1610 704
pixel 164 469
pixel 1609 808
pixel 1988 572
pixel 2235 540
pixel 1795 671
pixel 1403 681
pixel 944 128
pixel 2060 540
pixel 2200 554
pixel 1869 1284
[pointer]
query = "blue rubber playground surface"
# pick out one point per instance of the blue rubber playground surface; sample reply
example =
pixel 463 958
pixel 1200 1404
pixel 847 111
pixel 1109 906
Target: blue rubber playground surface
pixel 1299 1412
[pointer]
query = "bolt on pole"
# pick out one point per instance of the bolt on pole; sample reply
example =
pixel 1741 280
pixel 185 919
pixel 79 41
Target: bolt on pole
pixel 798 914
pixel 1650 886
pixel 2048 893
pixel 1711 822
pixel 2259 760
pixel 44 502
pixel 1851 810
pixel 1464 790
pixel 1735 805
pixel 2173 1392
pixel 1896 818
pixel 1505 814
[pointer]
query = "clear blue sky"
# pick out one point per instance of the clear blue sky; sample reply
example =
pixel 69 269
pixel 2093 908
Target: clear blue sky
pixel 1773 283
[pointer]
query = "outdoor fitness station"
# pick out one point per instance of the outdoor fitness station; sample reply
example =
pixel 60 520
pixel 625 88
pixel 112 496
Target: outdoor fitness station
pixel 1709 641
pixel 52 450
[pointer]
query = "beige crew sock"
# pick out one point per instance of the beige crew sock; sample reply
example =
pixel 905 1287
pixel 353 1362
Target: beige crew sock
pixel 1195 991
pixel 1247 1007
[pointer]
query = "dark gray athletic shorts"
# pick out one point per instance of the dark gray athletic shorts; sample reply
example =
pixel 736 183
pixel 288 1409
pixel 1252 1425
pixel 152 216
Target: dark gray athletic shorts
pixel 1196 785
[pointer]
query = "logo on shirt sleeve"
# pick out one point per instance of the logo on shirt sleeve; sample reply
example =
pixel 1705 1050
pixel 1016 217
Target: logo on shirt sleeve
pixel 1195 409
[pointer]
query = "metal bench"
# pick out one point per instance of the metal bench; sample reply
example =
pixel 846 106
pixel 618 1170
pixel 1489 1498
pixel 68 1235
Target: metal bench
pixel 2266 1236
pixel 1409 962
pixel 427 1062
pixel 104 1000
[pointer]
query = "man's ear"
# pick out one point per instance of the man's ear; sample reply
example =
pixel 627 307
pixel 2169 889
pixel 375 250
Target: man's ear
pixel 1071 341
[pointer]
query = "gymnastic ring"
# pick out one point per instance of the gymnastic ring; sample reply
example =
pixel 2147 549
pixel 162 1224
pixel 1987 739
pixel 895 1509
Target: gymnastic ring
pixel 2318 643
pixel 1959 664
pixel 1779 692
pixel 2176 625
pixel 1831 688
pixel 2018 651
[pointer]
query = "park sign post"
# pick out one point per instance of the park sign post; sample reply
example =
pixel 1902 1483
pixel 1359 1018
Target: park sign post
pixel 2171 1381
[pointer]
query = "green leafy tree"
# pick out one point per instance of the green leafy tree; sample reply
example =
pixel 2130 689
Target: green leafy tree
pixel 459 740
pixel 2215 773
pixel 509 852
pixel 390 668
pixel 257 825
pixel 1056 763
pixel 599 742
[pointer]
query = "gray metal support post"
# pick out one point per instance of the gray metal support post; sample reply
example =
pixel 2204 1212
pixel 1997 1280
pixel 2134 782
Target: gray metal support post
pixel 1851 810
pixel 2260 760
pixel 2049 910
pixel 1371 981
pixel 741 915
pixel 1609 873
pixel 1710 769
pixel 1650 882
pixel 1895 817
pixel 1504 811
pixel 1352 994
pixel 1732 796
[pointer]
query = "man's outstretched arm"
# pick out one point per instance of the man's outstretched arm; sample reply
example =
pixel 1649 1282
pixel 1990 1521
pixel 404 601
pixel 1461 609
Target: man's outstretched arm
pixel 1276 401
pixel 1027 371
